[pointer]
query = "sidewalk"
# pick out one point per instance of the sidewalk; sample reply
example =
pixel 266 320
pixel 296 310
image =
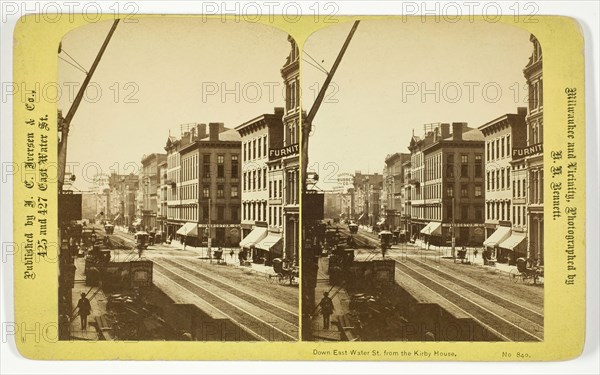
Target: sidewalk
pixel 445 252
pixel 341 306
pixel 202 252
pixel 97 301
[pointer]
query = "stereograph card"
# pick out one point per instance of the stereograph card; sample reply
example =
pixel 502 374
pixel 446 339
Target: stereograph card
pixel 391 188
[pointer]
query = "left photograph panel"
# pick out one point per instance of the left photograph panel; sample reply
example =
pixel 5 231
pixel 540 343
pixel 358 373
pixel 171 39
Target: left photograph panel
pixel 177 140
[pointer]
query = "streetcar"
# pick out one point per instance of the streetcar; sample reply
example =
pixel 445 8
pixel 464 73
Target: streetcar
pixel 353 228
pixel 109 228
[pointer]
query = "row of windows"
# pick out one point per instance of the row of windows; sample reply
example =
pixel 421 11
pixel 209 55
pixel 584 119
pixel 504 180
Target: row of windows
pixel 190 213
pixel 498 179
pixel 463 212
pixel 498 148
pixel 464 191
pixel 519 188
pixel 519 215
pixel 498 210
pixel 255 180
pixel 536 132
pixel 255 148
pixel 536 94
pixel 257 211
pixel 463 170
pixel 191 191
pixel 189 167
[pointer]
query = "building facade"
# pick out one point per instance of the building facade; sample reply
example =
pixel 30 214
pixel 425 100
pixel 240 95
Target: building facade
pixel 367 196
pixel 210 196
pixel 503 192
pixel 149 181
pixel 393 194
pixel 261 188
pixel 448 175
pixel 533 154
pixel 288 166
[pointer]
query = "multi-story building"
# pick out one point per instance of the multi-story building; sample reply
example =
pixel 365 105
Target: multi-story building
pixel 367 195
pixel 503 192
pixel 262 188
pixel 161 193
pixel 416 179
pixel 407 188
pixel 123 188
pixel 209 194
pixel 175 207
pixel 447 171
pixel 288 167
pixel 392 206
pixel 533 154
pixel 149 181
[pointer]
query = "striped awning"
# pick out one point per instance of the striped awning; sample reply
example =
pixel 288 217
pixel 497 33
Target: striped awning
pixel 434 228
pixel 188 229
pixel 501 234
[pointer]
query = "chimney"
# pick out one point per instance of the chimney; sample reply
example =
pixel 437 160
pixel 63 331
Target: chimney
pixel 445 129
pixel 192 134
pixel 522 111
pixel 457 130
pixel 201 131
pixel 279 111
pixel 214 129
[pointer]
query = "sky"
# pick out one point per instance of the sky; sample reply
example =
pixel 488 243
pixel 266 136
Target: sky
pixel 377 96
pixel 159 73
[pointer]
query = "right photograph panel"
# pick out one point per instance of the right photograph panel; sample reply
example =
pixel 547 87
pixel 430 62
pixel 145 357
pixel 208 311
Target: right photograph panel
pixel 422 168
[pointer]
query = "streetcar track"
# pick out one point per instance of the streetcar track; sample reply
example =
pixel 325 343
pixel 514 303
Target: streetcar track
pixel 523 313
pixel 233 290
pixel 455 297
pixel 248 330
pixel 462 309
pixel 489 295
pixel 203 291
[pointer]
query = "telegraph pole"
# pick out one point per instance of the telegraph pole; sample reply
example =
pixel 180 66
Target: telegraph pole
pixel 453 231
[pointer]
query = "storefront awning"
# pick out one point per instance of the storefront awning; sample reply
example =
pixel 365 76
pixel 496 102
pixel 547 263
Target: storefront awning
pixel 381 222
pixel 137 222
pixel 117 217
pixel 434 228
pixel 514 241
pixel 188 229
pixel 257 234
pixel 501 234
pixel 272 242
pixel 361 217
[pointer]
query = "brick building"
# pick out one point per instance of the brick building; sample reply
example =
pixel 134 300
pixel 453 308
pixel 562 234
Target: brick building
pixel 504 231
pixel 262 187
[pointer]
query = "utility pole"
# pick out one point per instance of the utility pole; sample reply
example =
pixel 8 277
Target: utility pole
pixel 209 230
pixel 453 231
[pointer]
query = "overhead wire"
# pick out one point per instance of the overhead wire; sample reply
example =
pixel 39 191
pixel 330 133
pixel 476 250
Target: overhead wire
pixel 74 60
pixel 316 62
pixel 73 65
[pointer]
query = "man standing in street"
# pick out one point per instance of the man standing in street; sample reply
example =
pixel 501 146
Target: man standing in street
pixel 84 310
pixel 326 309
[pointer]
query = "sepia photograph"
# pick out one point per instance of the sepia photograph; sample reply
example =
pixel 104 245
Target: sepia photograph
pixel 423 210
pixel 179 181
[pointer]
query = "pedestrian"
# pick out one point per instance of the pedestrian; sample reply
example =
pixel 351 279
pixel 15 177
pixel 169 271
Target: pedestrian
pixel 475 252
pixel 183 242
pixel 231 253
pixel 84 310
pixel 326 309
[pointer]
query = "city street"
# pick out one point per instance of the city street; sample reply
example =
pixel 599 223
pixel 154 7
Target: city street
pixel 486 294
pixel 263 311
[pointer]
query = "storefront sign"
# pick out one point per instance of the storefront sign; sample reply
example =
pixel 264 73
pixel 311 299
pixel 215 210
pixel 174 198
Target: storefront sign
pixel 278 153
pixel 520 153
